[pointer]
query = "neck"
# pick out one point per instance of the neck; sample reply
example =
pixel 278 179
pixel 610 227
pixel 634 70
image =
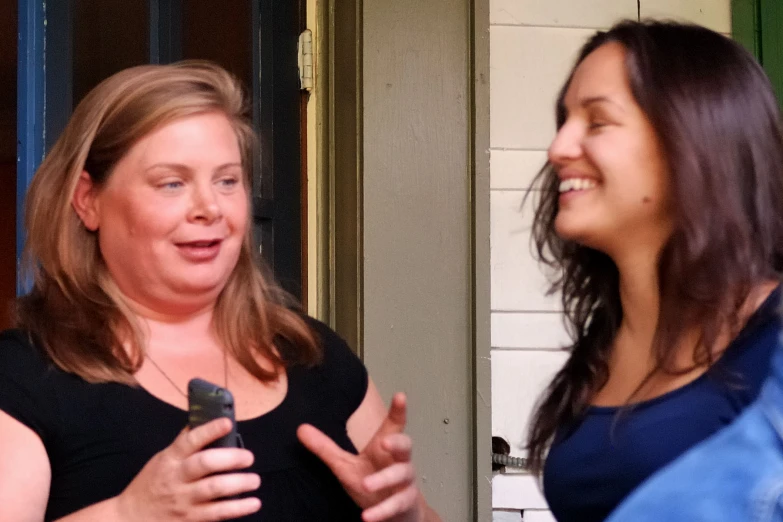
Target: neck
pixel 169 325
pixel 639 296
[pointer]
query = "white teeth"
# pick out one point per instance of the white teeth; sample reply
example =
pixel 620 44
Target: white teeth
pixel 570 184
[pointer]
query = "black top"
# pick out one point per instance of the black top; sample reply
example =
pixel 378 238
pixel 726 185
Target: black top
pixel 99 436
pixel 594 465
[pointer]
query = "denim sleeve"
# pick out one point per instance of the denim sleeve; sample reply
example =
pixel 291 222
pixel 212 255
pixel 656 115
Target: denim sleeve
pixel 737 475
pixel 768 500
pixel 777 514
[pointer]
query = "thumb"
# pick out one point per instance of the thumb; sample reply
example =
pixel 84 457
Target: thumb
pixel 321 445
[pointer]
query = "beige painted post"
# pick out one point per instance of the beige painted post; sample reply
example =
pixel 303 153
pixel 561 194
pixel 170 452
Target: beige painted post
pixel 418 209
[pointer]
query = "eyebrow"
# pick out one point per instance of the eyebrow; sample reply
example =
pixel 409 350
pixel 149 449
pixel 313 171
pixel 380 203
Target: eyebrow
pixel 184 168
pixel 592 100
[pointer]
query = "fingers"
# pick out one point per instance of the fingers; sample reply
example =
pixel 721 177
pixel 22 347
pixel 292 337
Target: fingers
pixel 190 441
pixel 399 445
pixel 396 418
pixel 215 460
pixel 227 509
pixel 321 445
pixel 395 476
pixel 397 504
pixel 224 485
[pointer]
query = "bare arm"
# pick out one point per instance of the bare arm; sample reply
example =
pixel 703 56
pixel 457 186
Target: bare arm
pixel 100 512
pixel 367 418
pixel 25 478
pixel 25 474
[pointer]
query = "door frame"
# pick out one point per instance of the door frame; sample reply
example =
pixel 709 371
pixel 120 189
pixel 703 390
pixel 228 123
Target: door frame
pixel 29 115
pixel 350 36
pixel 758 25
pixel 338 150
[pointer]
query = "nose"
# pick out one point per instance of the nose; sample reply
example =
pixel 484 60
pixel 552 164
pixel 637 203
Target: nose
pixel 567 145
pixel 205 205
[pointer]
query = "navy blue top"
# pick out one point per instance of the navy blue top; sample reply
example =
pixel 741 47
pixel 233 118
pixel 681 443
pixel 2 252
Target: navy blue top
pixel 593 466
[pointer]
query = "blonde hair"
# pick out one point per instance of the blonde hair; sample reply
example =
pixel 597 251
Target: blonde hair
pixel 75 311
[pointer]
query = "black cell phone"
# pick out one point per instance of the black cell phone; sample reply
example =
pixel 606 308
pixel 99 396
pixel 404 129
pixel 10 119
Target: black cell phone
pixel 207 402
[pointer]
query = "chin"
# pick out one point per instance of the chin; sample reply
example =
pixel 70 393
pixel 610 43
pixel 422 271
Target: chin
pixel 577 232
pixel 203 285
pixel 569 229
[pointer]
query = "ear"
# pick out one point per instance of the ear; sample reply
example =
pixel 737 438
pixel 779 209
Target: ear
pixel 84 202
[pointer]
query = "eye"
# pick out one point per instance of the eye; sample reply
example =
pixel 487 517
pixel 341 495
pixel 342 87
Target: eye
pixel 597 119
pixel 171 185
pixel 596 124
pixel 228 182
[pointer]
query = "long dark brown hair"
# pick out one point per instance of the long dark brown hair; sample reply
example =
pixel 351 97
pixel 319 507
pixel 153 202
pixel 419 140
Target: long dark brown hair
pixel 719 126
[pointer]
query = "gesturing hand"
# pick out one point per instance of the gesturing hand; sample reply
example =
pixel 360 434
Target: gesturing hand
pixel 180 483
pixel 381 479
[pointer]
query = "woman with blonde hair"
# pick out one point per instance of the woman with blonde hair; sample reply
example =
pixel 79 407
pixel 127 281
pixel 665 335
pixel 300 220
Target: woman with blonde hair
pixel 144 277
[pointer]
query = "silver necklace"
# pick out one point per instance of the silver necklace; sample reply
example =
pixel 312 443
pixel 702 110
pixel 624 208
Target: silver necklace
pixel 174 384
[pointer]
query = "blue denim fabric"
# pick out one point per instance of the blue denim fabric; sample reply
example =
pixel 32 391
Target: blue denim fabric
pixel 736 475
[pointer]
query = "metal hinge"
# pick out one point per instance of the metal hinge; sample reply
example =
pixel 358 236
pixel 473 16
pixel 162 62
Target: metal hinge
pixel 306 60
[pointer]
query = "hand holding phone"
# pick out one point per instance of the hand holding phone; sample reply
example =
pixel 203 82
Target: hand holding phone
pixel 207 402
pixel 175 482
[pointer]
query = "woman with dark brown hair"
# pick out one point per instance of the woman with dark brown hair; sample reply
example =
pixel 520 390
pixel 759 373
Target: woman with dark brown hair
pixel 145 276
pixel 661 209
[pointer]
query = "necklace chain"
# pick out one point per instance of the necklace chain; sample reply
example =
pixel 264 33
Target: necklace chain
pixel 174 384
